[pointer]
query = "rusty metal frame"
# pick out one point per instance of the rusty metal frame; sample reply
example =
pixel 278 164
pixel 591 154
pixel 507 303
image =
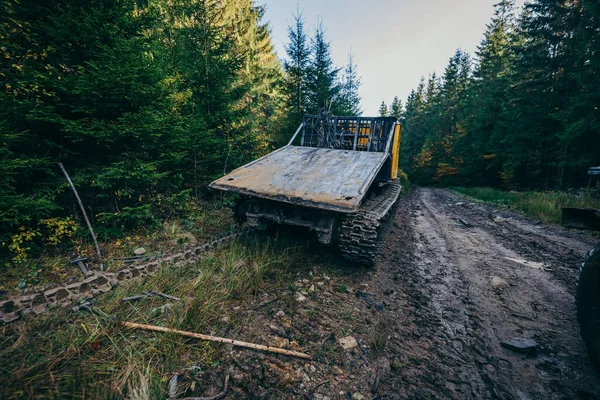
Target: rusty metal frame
pixel 330 132
pixel 321 222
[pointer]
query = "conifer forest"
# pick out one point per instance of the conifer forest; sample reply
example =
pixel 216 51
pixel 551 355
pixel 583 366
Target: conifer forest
pixel 520 114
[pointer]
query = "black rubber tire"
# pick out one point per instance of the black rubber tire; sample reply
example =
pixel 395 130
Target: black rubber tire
pixel 588 303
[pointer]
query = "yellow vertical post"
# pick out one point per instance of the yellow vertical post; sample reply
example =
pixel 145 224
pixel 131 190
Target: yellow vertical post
pixel 396 150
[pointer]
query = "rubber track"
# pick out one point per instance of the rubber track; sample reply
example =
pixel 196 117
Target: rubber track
pixel 360 235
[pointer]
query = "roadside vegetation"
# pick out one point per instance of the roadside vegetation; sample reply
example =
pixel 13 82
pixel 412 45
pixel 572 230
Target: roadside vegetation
pixel 39 262
pixel 63 354
pixel 544 206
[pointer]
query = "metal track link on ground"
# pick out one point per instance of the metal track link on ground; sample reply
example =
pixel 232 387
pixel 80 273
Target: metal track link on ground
pixel 361 235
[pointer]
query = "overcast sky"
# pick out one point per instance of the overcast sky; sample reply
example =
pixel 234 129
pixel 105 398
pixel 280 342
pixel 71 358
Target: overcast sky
pixel 394 42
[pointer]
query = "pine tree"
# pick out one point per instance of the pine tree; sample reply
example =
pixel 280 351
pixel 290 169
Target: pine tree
pixel 432 129
pixel 349 98
pixel 100 105
pixel 296 67
pixel 481 147
pixel 383 109
pixel 323 86
pixel 539 89
pixel 526 118
pixel 259 78
pixel 212 88
pixel 414 129
pixel 581 117
pixel 396 108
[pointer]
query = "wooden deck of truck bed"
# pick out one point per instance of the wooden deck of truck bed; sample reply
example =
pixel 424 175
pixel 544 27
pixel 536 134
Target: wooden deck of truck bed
pixel 328 179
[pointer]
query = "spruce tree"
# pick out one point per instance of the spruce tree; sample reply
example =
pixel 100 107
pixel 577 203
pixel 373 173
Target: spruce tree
pixel 481 146
pixel 526 118
pixel 396 108
pixel 414 130
pixel 296 67
pixel 323 86
pixel 349 98
pixel 539 89
pixel 581 116
pixel 383 109
pixel 143 103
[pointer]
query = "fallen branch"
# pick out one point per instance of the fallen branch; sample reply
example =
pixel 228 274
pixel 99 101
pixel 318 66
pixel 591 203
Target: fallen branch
pixel 150 294
pixel 369 300
pixel 211 338
pixel 375 386
pixel 89 306
pixel 87 221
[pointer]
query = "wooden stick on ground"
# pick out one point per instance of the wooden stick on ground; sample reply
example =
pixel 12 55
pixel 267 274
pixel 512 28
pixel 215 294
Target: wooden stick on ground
pixel 261 347
pixel 87 220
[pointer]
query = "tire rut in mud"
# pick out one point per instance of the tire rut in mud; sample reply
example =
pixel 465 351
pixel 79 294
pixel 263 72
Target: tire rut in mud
pixel 449 321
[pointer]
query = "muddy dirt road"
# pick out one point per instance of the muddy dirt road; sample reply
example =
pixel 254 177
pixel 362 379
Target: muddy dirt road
pixel 466 277
pixel 456 278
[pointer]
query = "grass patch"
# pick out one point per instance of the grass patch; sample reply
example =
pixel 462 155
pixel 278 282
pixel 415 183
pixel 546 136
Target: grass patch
pixel 63 354
pixel 52 265
pixel 544 206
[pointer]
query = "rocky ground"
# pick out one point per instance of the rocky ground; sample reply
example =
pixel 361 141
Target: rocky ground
pixel 455 281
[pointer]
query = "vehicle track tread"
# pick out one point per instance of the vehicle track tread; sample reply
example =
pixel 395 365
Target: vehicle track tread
pixel 361 235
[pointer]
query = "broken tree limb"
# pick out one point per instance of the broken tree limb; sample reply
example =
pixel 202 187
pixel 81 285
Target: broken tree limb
pixel 312 392
pixel 87 221
pixel 211 338
pixel 369 300
pixel 150 294
pixel 166 296
pixel 375 386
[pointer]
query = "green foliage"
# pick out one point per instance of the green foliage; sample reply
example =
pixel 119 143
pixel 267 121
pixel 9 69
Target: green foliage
pixel 142 102
pixel 383 109
pixel 349 98
pixel 312 83
pixel 129 217
pixel 525 116
pixel 296 69
pixel 323 85
pixel 396 109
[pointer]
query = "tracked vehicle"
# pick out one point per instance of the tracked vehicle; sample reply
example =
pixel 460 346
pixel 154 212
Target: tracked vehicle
pixel 337 176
